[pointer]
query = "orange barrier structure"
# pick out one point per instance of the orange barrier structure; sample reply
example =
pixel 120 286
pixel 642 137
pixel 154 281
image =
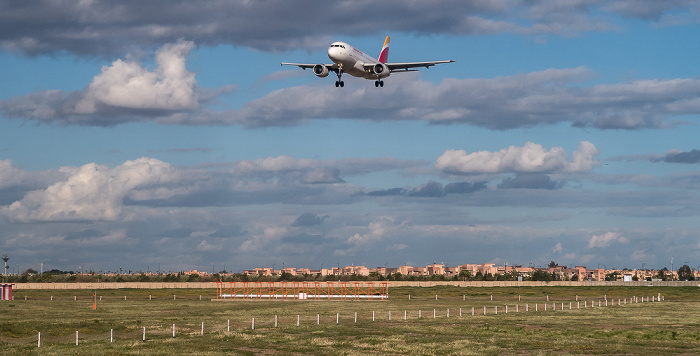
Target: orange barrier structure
pixel 303 290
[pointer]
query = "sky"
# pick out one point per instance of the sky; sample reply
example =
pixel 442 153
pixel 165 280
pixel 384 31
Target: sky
pixel 166 135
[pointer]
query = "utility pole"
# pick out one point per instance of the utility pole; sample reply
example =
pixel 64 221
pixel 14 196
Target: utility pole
pixel 5 258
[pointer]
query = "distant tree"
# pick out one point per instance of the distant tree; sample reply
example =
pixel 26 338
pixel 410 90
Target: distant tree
pixel 552 264
pixel 286 276
pixel 376 275
pixel 479 276
pixel 662 274
pixel 465 275
pixel 30 271
pixel 574 277
pixel 685 273
pixel 614 276
pixel 541 275
pixel 396 276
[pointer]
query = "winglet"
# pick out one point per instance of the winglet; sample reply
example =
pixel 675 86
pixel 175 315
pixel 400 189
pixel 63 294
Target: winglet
pixel 384 55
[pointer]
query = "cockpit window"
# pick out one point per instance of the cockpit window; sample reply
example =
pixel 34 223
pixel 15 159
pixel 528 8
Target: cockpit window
pixel 337 45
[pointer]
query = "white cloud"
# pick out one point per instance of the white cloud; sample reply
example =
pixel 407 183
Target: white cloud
pixel 91 192
pixel 531 158
pixel 557 248
pixel 606 239
pixel 129 85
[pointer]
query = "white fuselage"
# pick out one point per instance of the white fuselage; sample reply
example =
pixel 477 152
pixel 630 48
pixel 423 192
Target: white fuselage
pixel 353 61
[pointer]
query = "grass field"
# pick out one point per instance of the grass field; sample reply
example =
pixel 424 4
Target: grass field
pixel 670 327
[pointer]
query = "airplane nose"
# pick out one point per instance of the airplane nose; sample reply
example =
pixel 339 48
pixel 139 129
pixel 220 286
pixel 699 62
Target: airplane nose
pixel 333 52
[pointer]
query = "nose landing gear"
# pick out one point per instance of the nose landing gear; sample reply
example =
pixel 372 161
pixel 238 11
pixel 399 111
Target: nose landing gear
pixel 339 82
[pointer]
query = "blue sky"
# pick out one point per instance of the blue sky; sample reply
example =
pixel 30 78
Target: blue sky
pixel 168 134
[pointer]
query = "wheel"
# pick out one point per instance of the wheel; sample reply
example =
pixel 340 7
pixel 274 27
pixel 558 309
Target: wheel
pixel 376 84
pixel 342 83
pixel 337 83
pixel 381 83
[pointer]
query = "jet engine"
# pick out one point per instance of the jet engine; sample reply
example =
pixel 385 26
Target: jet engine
pixel 380 70
pixel 321 71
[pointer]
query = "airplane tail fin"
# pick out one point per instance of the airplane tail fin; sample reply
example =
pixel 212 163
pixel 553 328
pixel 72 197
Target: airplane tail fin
pixel 384 55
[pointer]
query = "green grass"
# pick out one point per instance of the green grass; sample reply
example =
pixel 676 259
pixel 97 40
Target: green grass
pixel 670 327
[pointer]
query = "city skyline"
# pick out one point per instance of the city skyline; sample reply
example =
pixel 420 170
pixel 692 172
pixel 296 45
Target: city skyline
pixel 167 133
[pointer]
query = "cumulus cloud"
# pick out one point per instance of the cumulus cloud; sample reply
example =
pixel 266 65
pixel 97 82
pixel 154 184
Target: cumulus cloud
pixel 129 85
pixel 523 100
pixel 606 239
pixel 677 156
pixel 431 189
pixel 91 192
pixel 531 158
pixel 530 181
pixel 309 219
pixel 124 91
pixel 650 9
pixel 105 28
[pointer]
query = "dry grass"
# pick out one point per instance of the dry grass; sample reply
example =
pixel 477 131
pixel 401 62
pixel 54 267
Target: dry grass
pixel 670 327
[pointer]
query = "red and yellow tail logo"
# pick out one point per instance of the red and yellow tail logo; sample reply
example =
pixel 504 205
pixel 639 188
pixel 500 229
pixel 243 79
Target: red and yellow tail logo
pixel 384 55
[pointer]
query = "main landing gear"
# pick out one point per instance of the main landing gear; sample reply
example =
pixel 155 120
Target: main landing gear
pixel 379 83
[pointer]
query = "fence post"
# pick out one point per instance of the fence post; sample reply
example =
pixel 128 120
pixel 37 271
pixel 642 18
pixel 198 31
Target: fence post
pixel 484 310
pixel 389 315
pixel 372 315
pixel 355 317
pixel 337 319
pixel 39 340
pixel 173 331
pixel 318 319
pixel 228 325
pixel 404 314
pixel 433 313
pixel 506 308
pixel 460 312
pixel 472 311
pixel 252 325
pixel 297 319
pixel 76 338
pixel 418 313
pixel 111 335
pixel 495 309
pixel 448 313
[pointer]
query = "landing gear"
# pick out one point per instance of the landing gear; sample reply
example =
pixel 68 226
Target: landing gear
pixel 339 82
pixel 379 83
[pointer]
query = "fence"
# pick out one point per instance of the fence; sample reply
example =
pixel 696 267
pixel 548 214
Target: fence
pixel 303 290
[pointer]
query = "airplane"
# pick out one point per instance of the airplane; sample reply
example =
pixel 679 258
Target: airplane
pixel 350 60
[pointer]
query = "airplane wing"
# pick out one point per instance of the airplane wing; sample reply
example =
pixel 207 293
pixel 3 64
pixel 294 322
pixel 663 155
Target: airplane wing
pixel 332 67
pixel 399 67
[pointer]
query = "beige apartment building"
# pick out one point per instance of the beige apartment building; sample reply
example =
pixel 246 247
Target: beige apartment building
pixel 580 273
